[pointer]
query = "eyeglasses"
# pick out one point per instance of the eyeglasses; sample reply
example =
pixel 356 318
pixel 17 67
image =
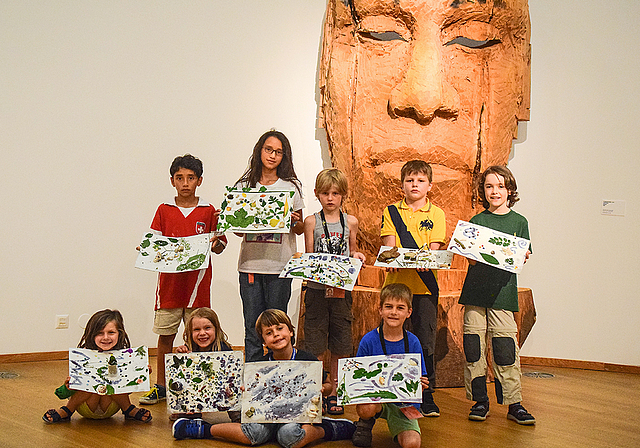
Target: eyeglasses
pixel 278 152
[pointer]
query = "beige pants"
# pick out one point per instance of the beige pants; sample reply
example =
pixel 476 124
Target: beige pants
pixel 483 325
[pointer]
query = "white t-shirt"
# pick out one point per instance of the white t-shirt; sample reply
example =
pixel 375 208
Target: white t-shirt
pixel 267 253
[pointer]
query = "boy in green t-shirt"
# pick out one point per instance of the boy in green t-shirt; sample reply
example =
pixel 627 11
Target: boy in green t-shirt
pixel 490 296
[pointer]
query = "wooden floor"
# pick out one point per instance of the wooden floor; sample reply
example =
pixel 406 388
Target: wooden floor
pixel 575 408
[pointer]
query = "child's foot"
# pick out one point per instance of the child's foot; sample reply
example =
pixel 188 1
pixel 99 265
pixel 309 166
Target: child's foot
pixel 519 414
pixel 429 408
pixel 337 428
pixel 54 415
pixel 362 435
pixel 185 428
pixel 332 406
pixel 155 395
pixel 142 415
pixel 479 411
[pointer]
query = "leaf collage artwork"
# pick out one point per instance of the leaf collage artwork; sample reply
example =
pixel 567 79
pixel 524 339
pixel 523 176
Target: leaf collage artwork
pixel 252 210
pixel 203 382
pixel 399 257
pixel 282 392
pixel 338 271
pixel 109 373
pixel 160 253
pixel 379 379
pixel 488 246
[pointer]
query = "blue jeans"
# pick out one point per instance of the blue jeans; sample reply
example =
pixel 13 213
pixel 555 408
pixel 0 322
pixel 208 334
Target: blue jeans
pixel 265 292
pixel 287 434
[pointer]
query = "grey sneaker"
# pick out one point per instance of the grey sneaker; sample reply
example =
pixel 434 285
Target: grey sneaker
pixel 519 414
pixel 479 411
pixel 362 435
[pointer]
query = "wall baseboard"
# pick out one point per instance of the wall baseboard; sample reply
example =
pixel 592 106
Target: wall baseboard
pixel 577 364
pixel 531 361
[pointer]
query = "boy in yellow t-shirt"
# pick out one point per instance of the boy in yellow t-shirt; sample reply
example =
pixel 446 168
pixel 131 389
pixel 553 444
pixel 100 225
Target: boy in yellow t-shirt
pixel 415 222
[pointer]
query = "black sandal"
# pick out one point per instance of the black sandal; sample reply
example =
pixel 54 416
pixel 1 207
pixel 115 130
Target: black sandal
pixel 332 406
pixel 55 415
pixel 140 415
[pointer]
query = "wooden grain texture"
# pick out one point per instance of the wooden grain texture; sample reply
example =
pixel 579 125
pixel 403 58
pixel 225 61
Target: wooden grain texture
pixel 576 408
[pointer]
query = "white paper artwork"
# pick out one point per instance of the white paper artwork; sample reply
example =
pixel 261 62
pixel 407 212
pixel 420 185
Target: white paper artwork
pixel 111 372
pixel 488 246
pixel 400 257
pixel 282 392
pixel 338 271
pixel 203 382
pixel 252 210
pixel 174 254
pixel 378 379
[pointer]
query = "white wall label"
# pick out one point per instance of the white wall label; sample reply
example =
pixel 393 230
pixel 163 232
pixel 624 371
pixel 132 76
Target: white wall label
pixel 613 208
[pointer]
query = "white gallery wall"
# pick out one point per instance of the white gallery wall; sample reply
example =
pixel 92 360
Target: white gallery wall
pixel 97 98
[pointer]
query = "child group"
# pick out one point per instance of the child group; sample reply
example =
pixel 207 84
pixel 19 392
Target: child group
pixel 489 297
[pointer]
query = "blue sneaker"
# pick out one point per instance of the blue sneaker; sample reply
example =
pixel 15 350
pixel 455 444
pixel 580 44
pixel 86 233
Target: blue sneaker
pixel 337 428
pixel 186 428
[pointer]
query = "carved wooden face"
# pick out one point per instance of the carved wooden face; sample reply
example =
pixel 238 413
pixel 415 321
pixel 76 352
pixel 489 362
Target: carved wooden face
pixel 441 81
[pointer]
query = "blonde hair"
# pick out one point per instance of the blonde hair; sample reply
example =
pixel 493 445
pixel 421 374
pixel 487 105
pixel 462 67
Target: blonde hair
pixel 398 291
pixel 211 316
pixel 272 317
pixel 332 177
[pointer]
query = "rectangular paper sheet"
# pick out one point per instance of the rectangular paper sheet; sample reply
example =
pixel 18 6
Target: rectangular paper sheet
pixel 379 379
pixel 253 210
pixel 338 271
pixel 174 254
pixel 400 257
pixel 282 392
pixel 488 246
pixel 203 382
pixel 109 373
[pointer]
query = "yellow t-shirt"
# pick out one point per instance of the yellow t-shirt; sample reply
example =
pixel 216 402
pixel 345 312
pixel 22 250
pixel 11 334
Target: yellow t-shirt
pixel 427 225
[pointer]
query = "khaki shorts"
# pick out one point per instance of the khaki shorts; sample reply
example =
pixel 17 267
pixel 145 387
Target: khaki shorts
pixel 167 321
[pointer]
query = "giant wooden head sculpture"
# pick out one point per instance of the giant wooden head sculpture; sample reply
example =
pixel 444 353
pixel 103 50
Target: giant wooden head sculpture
pixel 445 81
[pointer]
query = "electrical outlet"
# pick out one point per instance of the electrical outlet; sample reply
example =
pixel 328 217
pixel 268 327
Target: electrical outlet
pixel 62 321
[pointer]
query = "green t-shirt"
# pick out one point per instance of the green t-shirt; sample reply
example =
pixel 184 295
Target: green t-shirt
pixel 487 286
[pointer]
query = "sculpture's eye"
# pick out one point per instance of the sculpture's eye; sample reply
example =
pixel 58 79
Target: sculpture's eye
pixel 472 43
pixel 381 36
pixel 381 28
pixel 474 34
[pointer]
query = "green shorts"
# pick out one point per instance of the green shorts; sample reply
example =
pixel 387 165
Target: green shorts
pixel 397 421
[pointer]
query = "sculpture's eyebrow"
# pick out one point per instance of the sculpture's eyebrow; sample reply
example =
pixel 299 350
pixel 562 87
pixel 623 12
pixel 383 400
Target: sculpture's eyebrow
pixel 380 7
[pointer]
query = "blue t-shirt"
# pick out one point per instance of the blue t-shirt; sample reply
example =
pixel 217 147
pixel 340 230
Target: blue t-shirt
pixel 370 346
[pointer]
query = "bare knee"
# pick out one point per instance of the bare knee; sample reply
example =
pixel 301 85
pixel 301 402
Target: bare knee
pixel 367 411
pixel 409 439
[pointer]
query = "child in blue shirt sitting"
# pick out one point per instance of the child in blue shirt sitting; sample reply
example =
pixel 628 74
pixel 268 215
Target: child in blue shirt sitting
pixel 388 339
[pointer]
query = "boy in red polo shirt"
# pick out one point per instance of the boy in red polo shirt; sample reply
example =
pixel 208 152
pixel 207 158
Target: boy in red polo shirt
pixel 178 294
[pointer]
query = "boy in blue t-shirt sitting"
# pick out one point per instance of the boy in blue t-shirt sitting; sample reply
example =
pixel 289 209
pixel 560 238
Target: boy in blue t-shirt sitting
pixel 388 339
